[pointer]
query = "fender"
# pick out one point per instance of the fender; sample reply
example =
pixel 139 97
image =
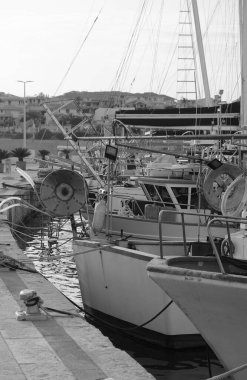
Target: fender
pixel 235 197
pixel 216 183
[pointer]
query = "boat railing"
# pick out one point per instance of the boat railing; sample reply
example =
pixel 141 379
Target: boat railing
pixel 184 215
pixel 139 205
pixel 227 220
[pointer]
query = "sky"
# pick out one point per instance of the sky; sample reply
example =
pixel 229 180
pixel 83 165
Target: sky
pixel 104 45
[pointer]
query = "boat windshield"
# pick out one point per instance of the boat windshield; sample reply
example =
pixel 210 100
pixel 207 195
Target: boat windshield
pixel 159 194
pixel 177 197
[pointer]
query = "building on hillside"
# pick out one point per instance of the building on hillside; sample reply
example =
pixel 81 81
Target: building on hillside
pixel 12 110
pixel 93 105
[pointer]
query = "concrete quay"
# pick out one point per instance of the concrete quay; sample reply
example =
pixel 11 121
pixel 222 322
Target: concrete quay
pixel 60 347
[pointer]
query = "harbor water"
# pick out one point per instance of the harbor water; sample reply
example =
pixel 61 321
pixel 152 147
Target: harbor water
pixel 163 364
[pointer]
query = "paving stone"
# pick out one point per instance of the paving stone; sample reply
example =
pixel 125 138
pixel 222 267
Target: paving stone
pixel 11 328
pixel 8 365
pixel 32 350
pixel 10 375
pixel 39 371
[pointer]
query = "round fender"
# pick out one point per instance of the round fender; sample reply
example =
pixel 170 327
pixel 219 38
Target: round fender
pixel 99 216
pixel 235 197
pixel 217 182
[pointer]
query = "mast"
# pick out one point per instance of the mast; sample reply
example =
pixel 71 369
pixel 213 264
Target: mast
pixel 243 60
pixel 201 52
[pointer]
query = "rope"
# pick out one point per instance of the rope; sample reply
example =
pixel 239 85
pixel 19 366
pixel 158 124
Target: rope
pixel 150 320
pixel 15 264
pixel 103 321
pixel 18 265
pixel 21 203
pixel 58 257
pixel 228 373
pixel 78 52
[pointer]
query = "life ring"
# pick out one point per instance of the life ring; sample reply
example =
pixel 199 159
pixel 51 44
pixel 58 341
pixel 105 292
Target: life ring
pixel 216 183
pixel 235 197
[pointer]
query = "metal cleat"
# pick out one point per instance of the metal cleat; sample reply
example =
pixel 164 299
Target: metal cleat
pixel 31 309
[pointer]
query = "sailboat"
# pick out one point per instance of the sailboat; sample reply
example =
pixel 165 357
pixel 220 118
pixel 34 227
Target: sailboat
pixel 212 290
pixel 112 269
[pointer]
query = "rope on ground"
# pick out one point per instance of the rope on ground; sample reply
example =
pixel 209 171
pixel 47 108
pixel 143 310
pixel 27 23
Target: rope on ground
pixel 13 264
pixel 228 373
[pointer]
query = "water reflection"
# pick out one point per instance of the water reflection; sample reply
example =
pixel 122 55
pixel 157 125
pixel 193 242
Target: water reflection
pixel 62 273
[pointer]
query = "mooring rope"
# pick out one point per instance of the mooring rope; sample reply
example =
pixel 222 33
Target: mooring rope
pixel 228 373
pixel 13 264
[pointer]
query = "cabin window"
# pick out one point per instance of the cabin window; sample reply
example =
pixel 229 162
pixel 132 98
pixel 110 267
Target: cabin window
pixel 160 195
pixel 194 198
pixel 151 191
pixel 182 196
pixel 164 196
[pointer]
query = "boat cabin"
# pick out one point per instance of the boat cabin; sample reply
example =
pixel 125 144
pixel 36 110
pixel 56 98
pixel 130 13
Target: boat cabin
pixel 178 195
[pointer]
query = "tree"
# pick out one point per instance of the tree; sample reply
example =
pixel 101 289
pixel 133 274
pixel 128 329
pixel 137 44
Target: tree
pixel 20 153
pixel 66 152
pixel 4 154
pixel 43 153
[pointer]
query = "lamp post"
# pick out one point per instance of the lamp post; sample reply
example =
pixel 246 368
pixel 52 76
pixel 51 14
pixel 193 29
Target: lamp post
pixel 24 111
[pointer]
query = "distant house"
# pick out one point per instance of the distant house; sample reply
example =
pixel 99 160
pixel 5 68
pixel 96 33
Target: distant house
pixel 96 105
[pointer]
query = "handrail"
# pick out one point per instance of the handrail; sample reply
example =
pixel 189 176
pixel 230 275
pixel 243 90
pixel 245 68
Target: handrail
pixel 161 221
pixel 183 214
pixel 211 238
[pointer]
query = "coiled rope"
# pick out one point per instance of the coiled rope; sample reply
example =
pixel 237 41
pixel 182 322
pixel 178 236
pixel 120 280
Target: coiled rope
pixel 228 373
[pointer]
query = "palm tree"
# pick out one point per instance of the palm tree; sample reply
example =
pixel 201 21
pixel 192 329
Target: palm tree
pixel 20 153
pixel 43 153
pixel 3 155
pixel 66 152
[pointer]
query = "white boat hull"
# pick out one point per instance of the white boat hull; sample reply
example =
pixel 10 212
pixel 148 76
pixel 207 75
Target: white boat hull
pixel 115 286
pixel 215 303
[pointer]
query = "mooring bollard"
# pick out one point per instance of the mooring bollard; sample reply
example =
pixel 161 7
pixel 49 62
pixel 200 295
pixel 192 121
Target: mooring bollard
pixel 31 309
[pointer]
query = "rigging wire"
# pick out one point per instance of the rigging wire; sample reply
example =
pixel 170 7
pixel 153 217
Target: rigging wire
pixel 157 45
pixel 226 52
pixel 146 48
pixel 130 48
pixel 78 51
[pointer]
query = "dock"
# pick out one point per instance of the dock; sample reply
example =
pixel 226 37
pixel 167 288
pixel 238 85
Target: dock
pixel 62 346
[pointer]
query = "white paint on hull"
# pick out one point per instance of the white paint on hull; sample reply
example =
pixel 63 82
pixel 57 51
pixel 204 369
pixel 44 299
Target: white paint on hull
pixel 115 282
pixel 215 303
